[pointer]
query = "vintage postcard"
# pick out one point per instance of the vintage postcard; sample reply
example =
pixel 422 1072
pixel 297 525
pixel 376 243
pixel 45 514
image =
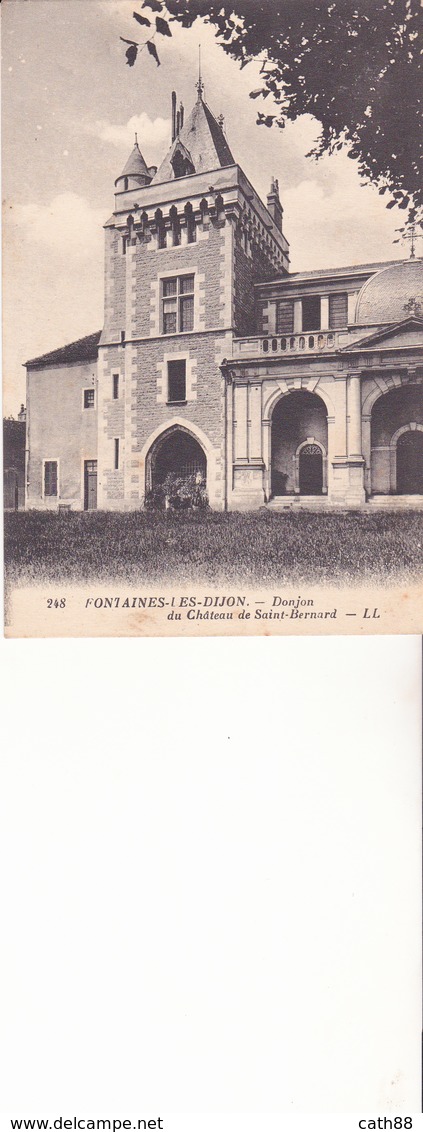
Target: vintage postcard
pixel 213 341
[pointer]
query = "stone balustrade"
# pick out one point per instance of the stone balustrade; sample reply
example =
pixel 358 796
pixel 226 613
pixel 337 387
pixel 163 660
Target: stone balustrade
pixel 320 340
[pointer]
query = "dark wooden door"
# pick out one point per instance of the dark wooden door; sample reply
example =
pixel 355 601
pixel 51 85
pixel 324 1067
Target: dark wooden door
pixel 410 463
pixel 90 485
pixel 311 470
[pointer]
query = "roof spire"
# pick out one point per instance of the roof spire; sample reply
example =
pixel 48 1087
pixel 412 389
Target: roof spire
pixel 136 139
pixel 200 84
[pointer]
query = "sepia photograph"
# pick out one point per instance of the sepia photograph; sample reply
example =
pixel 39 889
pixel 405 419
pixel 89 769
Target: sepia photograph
pixel 212 372
pixel 213 317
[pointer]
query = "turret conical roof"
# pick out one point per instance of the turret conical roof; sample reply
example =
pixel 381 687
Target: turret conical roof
pixel 135 165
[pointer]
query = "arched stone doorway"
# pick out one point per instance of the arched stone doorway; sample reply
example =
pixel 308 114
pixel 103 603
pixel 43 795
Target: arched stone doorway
pixel 299 438
pixel 409 462
pixel 176 452
pixel 396 453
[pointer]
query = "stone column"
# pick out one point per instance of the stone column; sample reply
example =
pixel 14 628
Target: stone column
pixel 298 316
pixel 324 312
pixel 271 317
pixel 367 452
pixel 352 303
pixel 339 435
pixel 248 468
pixel 267 444
pixel 354 415
pixel 240 422
pixel 254 422
pixel 355 494
pixel 229 438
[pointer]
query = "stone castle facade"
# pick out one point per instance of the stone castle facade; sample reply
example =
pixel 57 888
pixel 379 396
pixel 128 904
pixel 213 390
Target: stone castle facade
pixel 280 389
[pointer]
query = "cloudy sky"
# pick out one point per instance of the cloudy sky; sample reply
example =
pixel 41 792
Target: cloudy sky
pixel 70 110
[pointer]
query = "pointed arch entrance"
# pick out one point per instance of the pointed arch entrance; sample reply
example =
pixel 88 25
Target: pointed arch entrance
pixel 175 452
pixel 299 442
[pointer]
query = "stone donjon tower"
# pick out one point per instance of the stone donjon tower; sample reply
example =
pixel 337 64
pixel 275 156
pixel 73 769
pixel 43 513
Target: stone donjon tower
pixel 184 247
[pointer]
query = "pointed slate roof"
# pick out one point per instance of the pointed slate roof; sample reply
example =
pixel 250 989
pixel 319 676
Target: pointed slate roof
pixel 205 141
pixel 135 165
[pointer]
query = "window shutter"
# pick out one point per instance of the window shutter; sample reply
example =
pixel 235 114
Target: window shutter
pixel 338 310
pixel 50 477
pixel 285 317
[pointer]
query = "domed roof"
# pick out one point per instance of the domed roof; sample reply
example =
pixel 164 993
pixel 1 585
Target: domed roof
pixel 388 295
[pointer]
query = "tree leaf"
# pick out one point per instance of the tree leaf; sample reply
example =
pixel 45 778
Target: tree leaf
pixel 266 119
pixel 142 20
pixel 151 47
pixel 131 54
pixel 162 26
pixel 155 5
pixel 262 91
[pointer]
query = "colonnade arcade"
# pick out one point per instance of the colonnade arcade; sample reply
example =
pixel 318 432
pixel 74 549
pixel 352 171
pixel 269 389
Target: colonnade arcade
pixel 344 437
pixel 344 440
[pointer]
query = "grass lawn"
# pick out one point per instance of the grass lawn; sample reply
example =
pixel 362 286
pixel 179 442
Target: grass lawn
pixel 255 548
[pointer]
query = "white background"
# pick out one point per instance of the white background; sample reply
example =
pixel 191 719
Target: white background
pixel 211 877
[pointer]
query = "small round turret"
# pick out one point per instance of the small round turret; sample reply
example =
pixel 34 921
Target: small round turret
pixel 136 173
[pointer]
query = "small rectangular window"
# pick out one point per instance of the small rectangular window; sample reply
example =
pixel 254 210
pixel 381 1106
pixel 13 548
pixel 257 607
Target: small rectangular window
pixel 162 237
pixel 89 398
pixel 285 317
pixel 176 375
pixel 115 386
pixel 50 477
pixel 338 310
pixel 116 454
pixel 124 242
pixel 311 312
